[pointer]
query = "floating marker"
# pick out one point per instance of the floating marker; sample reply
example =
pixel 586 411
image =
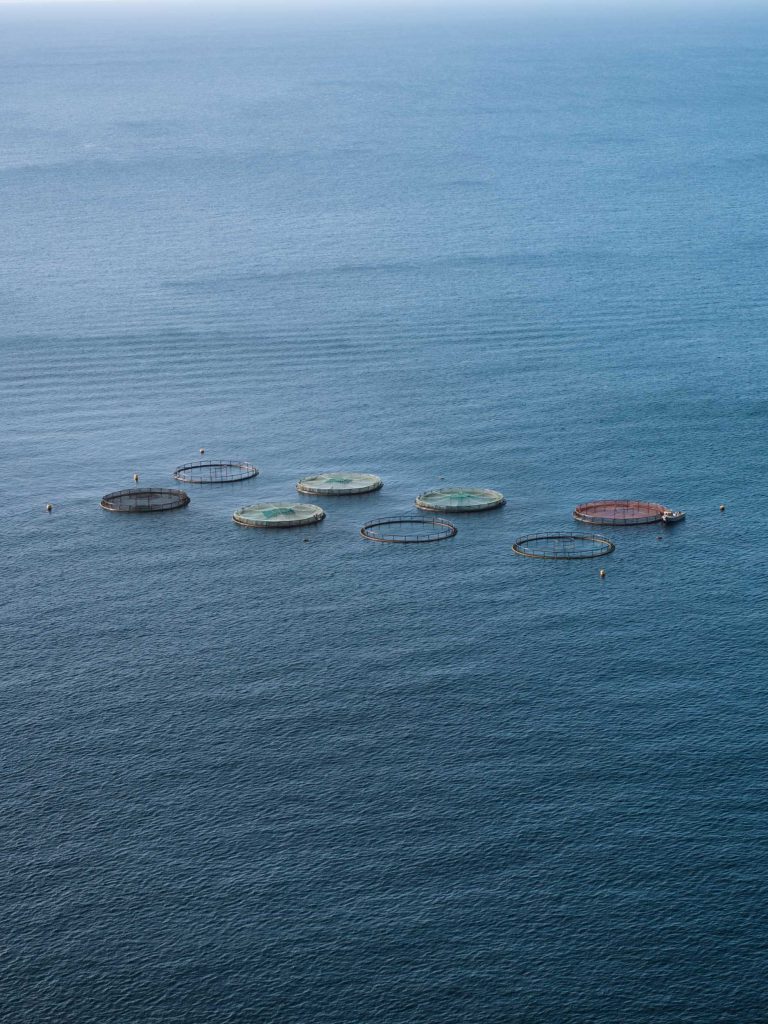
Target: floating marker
pixel 602 574
pixel 722 508
pixel 49 508
pixel 135 478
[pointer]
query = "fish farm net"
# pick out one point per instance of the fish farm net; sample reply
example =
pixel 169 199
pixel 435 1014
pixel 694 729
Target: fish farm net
pixel 339 483
pixel 408 529
pixel 460 499
pixel 214 472
pixel 563 545
pixel 273 514
pixel 619 512
pixel 145 499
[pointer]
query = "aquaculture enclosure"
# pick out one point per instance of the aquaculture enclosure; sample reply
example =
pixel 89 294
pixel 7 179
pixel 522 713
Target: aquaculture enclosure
pixel 214 472
pixel 619 512
pixel 408 529
pixel 339 483
pixel 460 499
pixel 145 499
pixel 563 545
pixel 270 514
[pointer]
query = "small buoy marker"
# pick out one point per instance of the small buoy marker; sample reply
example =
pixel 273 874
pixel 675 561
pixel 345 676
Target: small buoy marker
pixel 602 574
pixel 49 507
pixel 202 451
pixel 135 478
pixel 722 508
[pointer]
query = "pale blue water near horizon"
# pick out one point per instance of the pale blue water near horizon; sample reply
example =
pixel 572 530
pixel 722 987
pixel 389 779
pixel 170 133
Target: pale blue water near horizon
pixel 248 778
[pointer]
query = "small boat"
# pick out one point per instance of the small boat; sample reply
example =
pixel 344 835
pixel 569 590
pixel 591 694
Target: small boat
pixel 673 517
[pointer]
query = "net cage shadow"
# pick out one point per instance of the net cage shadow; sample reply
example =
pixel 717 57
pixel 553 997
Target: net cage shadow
pixel 214 472
pixel 619 512
pixel 408 529
pixel 145 499
pixel 563 545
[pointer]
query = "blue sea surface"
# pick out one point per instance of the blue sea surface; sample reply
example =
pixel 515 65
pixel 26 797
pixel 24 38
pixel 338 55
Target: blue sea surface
pixel 295 777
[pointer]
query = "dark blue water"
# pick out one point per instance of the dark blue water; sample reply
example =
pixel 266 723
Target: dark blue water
pixel 248 778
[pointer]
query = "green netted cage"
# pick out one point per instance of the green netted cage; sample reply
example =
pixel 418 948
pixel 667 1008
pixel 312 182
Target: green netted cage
pixel 277 514
pixel 339 483
pixel 460 499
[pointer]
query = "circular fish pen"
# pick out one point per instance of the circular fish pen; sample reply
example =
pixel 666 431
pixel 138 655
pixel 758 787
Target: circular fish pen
pixel 408 529
pixel 214 472
pixel 563 545
pixel 145 499
pixel 460 499
pixel 339 483
pixel 271 514
pixel 619 512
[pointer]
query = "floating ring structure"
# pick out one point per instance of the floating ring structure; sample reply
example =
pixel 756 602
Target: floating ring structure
pixel 408 529
pixel 339 483
pixel 619 512
pixel 145 499
pixel 214 472
pixel 270 514
pixel 460 499
pixel 563 545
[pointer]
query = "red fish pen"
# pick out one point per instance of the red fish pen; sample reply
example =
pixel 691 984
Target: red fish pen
pixel 619 512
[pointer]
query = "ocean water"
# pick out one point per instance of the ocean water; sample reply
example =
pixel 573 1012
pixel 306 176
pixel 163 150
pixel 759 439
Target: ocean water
pixel 293 776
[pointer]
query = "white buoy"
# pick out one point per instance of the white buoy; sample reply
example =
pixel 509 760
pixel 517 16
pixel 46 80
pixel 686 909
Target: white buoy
pixel 722 508
pixel 202 451
pixel 49 508
pixel 135 478
pixel 602 574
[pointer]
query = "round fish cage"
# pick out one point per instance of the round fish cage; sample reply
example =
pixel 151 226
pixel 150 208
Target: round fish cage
pixel 210 472
pixel 270 514
pixel 145 499
pixel 460 499
pixel 563 545
pixel 408 529
pixel 339 483
pixel 619 512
